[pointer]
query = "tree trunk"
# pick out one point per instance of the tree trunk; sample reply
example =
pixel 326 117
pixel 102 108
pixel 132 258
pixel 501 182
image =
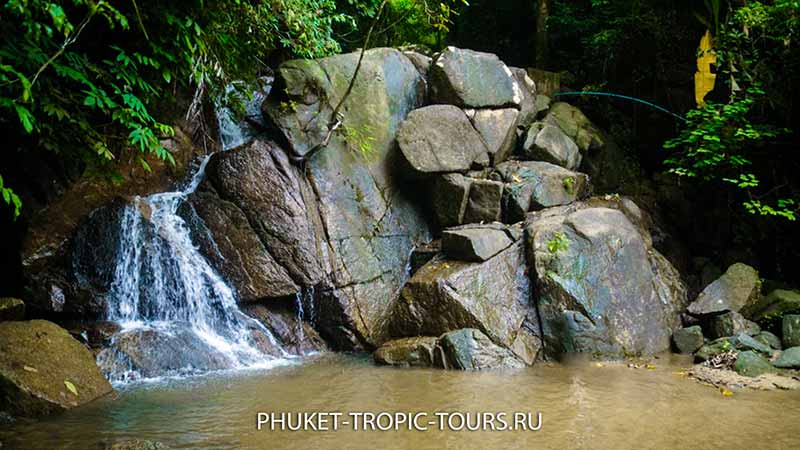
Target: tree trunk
pixel 541 44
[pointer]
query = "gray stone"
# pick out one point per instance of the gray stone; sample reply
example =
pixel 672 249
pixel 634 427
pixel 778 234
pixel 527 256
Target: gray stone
pixel 737 288
pixel 545 142
pixel 527 112
pixel 484 204
pixel 751 364
pixel 492 296
pixel 471 79
pixel 728 324
pixel 602 287
pixel 11 309
pixel 576 125
pixel 498 127
pixel 469 349
pixel 746 342
pixel 765 337
pixel 450 195
pixel 789 359
pixel 474 243
pixel 790 330
pixel 413 351
pixel 439 138
pixel 532 185
pixel 688 340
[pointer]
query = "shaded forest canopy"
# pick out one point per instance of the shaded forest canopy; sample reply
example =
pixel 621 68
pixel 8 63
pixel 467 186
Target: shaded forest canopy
pixel 85 84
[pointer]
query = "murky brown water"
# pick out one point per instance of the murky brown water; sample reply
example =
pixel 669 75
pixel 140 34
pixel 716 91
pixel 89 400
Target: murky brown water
pixel 583 407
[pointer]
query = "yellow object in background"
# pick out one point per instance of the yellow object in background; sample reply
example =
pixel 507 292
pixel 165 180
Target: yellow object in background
pixel 704 79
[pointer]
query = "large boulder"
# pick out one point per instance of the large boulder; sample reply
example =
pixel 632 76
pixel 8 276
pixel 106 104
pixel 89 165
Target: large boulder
pixel 729 324
pixel 576 125
pixel 789 359
pixel 292 327
pixel 773 306
pixel 602 288
pixel 469 349
pixel 413 351
pixel 476 242
pixel 471 79
pixel 688 340
pixel 546 142
pixel 44 370
pixel 440 138
pixel 738 287
pixel 11 309
pixel 532 185
pixel 368 221
pixel 751 364
pixel 492 296
pixel 498 127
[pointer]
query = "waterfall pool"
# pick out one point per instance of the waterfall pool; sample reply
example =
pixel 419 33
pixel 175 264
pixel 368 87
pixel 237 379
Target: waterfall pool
pixel 583 405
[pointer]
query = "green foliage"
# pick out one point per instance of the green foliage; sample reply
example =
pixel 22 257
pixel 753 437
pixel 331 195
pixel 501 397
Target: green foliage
pixel 89 78
pixel 10 197
pixel 558 243
pixel 569 185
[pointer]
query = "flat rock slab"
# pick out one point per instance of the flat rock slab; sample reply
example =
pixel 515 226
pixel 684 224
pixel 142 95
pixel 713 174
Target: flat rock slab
pixel 475 242
pixel 738 287
pixel 439 138
pixel 471 79
pixel 44 370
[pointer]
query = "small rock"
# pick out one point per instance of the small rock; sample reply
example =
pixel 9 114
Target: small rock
pixel 791 330
pixel 413 351
pixel 765 337
pixel 688 340
pixel 751 364
pixel 746 342
pixel 474 242
pixel 469 349
pixel 498 128
pixel 729 324
pixel 11 309
pixel 789 359
pixel 576 125
pixel 450 195
pixel 484 204
pixel 739 287
pixel 546 142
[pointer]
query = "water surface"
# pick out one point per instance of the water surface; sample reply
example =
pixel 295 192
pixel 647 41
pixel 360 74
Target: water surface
pixel 583 406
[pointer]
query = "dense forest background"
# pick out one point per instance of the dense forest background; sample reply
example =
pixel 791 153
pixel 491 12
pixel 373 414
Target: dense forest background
pixel 86 86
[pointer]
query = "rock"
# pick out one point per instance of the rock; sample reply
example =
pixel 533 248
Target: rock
pixel 527 112
pixel 545 142
pixel 147 353
pixel 541 105
pixel 790 330
pixel 773 306
pixel 450 195
pixel 256 226
pixel 138 445
pixel 765 337
pixel 547 83
pixel 469 349
pixel 484 204
pixel 44 370
pixel 602 288
pixel 421 62
pixel 532 185
pixel 492 296
pixel 576 125
pixel 414 351
pixel 498 127
pixel 766 382
pixel 11 309
pixel 471 79
pixel 751 364
pixel 440 138
pixel 714 348
pixel 424 253
pixel 475 242
pixel 737 288
pixel 728 324
pixel 688 340
pixel 746 342
pixel 789 359
pixel 295 333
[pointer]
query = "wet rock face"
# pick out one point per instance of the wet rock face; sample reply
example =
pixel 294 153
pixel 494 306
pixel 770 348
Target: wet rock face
pixel 601 286
pixel 737 288
pixel 295 332
pixel 440 138
pixel 44 370
pixel 471 79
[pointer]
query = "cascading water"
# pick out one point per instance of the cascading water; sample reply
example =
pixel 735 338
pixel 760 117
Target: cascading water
pixel 180 314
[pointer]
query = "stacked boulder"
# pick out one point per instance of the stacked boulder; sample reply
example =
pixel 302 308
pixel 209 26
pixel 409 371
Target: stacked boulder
pixel 738 328
pixel 514 218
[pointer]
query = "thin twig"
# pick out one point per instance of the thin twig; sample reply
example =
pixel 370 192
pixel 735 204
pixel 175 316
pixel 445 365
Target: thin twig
pixel 67 42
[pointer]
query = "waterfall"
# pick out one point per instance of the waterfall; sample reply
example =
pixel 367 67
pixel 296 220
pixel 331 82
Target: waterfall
pixel 177 314
pixel 232 131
